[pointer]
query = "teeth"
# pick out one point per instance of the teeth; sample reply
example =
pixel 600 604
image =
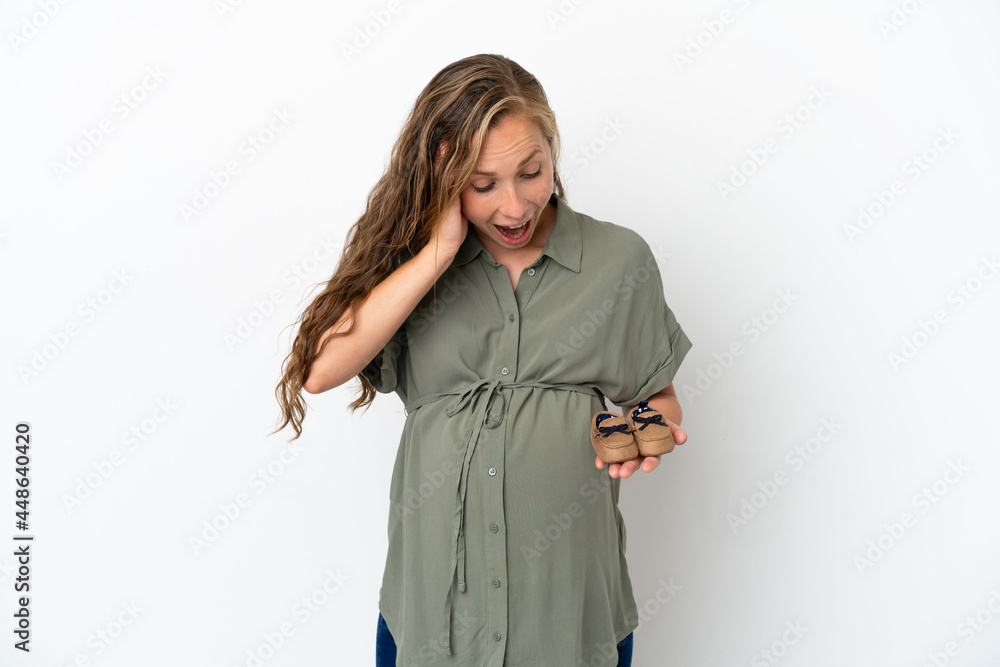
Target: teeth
pixel 518 227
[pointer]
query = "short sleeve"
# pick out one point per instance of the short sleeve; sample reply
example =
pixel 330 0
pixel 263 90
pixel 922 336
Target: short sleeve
pixel 652 344
pixel 384 370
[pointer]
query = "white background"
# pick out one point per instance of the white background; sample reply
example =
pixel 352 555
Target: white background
pixel 802 557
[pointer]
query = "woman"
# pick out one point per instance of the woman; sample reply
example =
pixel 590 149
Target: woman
pixel 502 319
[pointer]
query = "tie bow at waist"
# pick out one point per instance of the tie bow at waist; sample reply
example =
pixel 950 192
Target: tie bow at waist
pixel 463 398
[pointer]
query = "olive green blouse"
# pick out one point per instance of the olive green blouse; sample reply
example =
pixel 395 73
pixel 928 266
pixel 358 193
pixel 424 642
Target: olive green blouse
pixel 506 543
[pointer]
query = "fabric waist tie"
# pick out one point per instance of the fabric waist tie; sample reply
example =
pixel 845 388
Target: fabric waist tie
pixel 471 437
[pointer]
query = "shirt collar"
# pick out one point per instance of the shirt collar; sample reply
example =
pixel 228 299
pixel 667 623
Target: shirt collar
pixel 564 245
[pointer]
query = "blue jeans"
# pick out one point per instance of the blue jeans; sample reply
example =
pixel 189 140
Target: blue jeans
pixel 385 647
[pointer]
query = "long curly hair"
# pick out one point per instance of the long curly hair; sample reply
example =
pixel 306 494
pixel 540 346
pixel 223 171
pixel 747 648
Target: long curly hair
pixel 451 116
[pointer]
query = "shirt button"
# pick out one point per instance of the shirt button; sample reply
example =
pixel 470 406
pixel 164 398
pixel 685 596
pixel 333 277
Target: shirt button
pixel 531 272
pixel 496 636
pixel 493 471
pixel 504 370
pixel 510 317
pixel 496 583
pixel 494 527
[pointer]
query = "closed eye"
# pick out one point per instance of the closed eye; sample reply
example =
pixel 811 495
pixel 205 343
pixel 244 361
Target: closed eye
pixel 489 187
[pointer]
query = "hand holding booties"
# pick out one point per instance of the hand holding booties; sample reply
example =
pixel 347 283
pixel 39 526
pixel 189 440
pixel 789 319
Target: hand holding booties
pixel 620 438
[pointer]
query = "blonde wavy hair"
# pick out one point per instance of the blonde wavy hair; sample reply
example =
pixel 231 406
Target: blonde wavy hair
pixel 452 115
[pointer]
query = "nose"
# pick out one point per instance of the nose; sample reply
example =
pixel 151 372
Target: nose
pixel 512 205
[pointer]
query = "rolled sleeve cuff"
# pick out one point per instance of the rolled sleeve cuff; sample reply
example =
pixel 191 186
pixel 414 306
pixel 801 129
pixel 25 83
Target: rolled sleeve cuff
pixel 665 368
pixel 381 371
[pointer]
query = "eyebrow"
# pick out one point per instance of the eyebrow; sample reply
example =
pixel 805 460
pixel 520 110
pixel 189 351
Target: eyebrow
pixel 523 162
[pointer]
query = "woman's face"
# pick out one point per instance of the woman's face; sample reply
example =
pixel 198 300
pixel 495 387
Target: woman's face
pixel 510 186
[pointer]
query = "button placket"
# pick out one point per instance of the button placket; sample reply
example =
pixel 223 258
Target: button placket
pixel 505 367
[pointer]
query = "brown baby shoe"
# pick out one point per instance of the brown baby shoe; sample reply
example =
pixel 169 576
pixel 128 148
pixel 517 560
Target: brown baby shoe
pixel 612 438
pixel 652 434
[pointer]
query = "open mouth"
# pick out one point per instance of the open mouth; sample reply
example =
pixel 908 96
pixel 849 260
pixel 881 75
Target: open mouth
pixel 515 232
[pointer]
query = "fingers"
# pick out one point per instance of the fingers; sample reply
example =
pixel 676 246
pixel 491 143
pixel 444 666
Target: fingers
pixel 442 150
pixel 677 432
pixel 628 468
pixel 439 164
pixel 649 463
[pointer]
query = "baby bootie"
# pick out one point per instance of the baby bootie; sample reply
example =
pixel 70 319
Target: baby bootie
pixel 652 434
pixel 612 438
